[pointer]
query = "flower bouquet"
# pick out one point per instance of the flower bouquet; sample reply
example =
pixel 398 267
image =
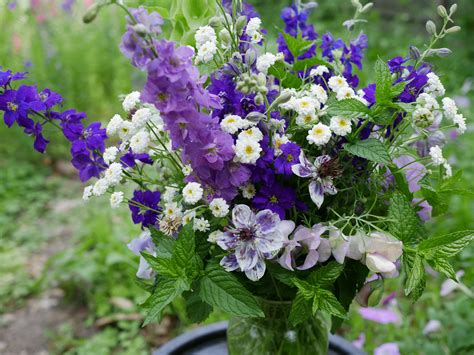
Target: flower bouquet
pixel 267 184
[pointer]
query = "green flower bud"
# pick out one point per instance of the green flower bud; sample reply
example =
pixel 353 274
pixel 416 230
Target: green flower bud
pixel 140 29
pixel 91 13
pixel 215 21
pixel 240 24
pixel 366 7
pixel 430 27
pixel 453 29
pixel 259 99
pixel 415 53
pixel 250 57
pixel 225 38
pixel 453 9
pixel 442 11
pixel 261 79
pixel 255 116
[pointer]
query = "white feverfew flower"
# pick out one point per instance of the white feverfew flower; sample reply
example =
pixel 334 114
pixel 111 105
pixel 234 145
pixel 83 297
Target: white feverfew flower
pixel 423 117
pixel 188 216
pixel 113 174
pixel 131 101
pixel 450 108
pixel 219 207
pixel 251 133
pixel 304 120
pixel 436 155
pixel 427 101
pixel 140 142
pixel 341 125
pixel 460 121
pixel 345 93
pixel 141 117
pixel 278 140
pixel 248 191
pixel 265 61
pixel 87 193
pixel 247 151
pixel 256 37
pixel 320 70
pixel 100 187
pixel 187 170
pixel 116 199
pixel 206 52
pixel 126 130
pixel 192 193
pixel 172 209
pixel 201 224
pixel 337 82
pixel 434 87
pixel 306 105
pixel 205 34
pixel 319 93
pixel 231 124
pixel 319 135
pixel 114 125
pixel 110 154
pixel 253 26
pixel 169 194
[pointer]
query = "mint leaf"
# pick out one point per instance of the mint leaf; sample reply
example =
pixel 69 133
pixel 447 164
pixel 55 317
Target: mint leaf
pixel 325 301
pixel 371 149
pixel 300 309
pixel 325 275
pixel 416 278
pixel 164 267
pixel 446 246
pixel 398 88
pixel 221 289
pixel 297 46
pixel 305 64
pixel 443 266
pixel 287 79
pixel 383 81
pixel 349 108
pixel 183 250
pixel 304 287
pixel 197 310
pixel 405 223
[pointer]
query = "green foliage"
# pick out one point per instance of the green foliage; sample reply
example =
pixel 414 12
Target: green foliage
pixel 405 223
pixel 349 108
pixel 371 149
pixel 297 45
pixel 416 278
pixel 287 79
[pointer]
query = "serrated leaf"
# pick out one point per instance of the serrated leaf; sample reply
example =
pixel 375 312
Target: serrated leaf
pixel 304 287
pixel 380 115
pixel 398 88
pixel 306 64
pixel 287 79
pixel 447 245
pixel 163 266
pixel 327 302
pixel 371 149
pixel 297 45
pixel 221 289
pixel 300 309
pixel 407 107
pixel 443 266
pixel 183 250
pixel 283 275
pixel 326 275
pixel 349 108
pixel 383 81
pixel 416 278
pixel 197 310
pixel 405 225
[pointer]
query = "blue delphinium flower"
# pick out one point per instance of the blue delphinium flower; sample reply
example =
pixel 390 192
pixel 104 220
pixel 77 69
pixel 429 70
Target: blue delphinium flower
pixel 144 207
pixel 289 157
pixel 252 238
pixel 276 198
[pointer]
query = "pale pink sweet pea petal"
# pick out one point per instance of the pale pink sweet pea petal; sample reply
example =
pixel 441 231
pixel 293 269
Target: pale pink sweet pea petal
pixel 378 263
pixel 339 245
pixel 360 341
pixel 324 250
pixel 380 315
pixel 432 326
pixel 387 349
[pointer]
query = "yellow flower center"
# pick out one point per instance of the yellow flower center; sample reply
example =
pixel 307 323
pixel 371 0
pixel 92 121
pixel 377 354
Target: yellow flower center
pixel 289 158
pixel 248 149
pixel 12 107
pixel 273 199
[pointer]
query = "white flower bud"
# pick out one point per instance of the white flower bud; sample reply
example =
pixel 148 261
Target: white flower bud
pixel 442 11
pixel 431 27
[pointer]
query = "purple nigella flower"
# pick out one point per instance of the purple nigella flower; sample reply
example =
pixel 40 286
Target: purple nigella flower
pixel 145 209
pixel 417 79
pixel 276 198
pixel 321 173
pixel 252 238
pixel 288 158
pixel 396 64
pixel 143 243
pixel 81 159
pixel 45 100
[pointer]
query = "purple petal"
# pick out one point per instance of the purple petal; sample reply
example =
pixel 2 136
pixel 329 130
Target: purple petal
pixel 378 315
pixel 270 242
pixel 144 269
pixel 267 221
pixel 242 216
pixel 328 186
pixel 316 192
pixel 324 250
pixel 285 259
pixel 302 170
pixel 229 262
pixel 321 160
pixel 247 256
pixel 310 261
pixel 257 272
pixel 227 241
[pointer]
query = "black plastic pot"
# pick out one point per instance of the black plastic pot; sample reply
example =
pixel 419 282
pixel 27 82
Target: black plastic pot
pixel 211 340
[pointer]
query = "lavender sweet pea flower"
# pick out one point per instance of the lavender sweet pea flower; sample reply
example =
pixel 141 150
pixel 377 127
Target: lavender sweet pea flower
pixel 141 244
pixel 321 174
pixel 380 315
pixel 252 239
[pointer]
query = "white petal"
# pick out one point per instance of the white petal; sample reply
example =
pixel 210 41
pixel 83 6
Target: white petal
pixel 377 263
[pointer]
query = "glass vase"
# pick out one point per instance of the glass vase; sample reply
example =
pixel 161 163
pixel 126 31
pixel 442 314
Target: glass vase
pixel 273 335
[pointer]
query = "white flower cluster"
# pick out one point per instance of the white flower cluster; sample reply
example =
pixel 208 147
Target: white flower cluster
pixel 265 61
pixel 434 86
pixel 206 44
pixel 192 193
pixel 233 123
pixel 219 207
pixel 253 30
pixel 438 159
pixel 451 112
pixel 247 147
pixel 319 71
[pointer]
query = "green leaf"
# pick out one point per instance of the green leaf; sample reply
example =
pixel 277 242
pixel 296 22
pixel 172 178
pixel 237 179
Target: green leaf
pixel 287 79
pixel 300 309
pixel 405 224
pixel 306 289
pixel 221 289
pixel 283 275
pixel 349 108
pixel 447 245
pixel 325 301
pixel 398 88
pixel 197 310
pixel 325 275
pixel 183 251
pixel 416 278
pixel 380 115
pixel 164 267
pixel 371 149
pixel 165 292
pixel 297 46
pixel 305 64
pixel 443 266
pixel 406 107
pixel 383 81
pixel 400 180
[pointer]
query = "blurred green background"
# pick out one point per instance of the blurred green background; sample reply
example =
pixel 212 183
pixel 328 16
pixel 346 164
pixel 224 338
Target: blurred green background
pixel 66 276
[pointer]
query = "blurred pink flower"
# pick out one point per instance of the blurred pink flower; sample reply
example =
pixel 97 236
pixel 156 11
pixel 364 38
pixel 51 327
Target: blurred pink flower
pixel 360 341
pixel 387 349
pixel 16 43
pixel 432 326
pixel 380 315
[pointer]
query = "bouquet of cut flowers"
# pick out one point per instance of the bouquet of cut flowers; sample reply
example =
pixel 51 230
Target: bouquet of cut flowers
pixel 267 184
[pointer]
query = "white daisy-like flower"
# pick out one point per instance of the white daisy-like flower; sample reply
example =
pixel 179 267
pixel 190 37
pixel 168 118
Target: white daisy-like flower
pixel 219 207
pixel 253 26
pixel 434 87
pixel 247 151
pixel 319 93
pixel 126 130
pixel 114 125
pixel 306 105
pixel 213 236
pixel 256 37
pixel 87 193
pixel 231 123
pixel 340 125
pixel 192 192
pixel 116 199
pixel 460 121
pixel 345 93
pixel 172 209
pixel 205 34
pixel 278 140
pixel 436 155
pixel 141 117
pixel 248 191
pixel 113 174
pixel 110 154
pixel 187 170
pixel 304 120
pixel 169 194
pixel 319 135
pixel 423 117
pixel 320 70
pixel 206 52
pixel 265 61
pixel 448 171
pixel 140 142
pixel 201 224
pixel 427 101
pixel 188 216
pixel 450 108
pixel 131 101
pixel 251 133
pixel 156 120
pixel 337 82
pixel 100 187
